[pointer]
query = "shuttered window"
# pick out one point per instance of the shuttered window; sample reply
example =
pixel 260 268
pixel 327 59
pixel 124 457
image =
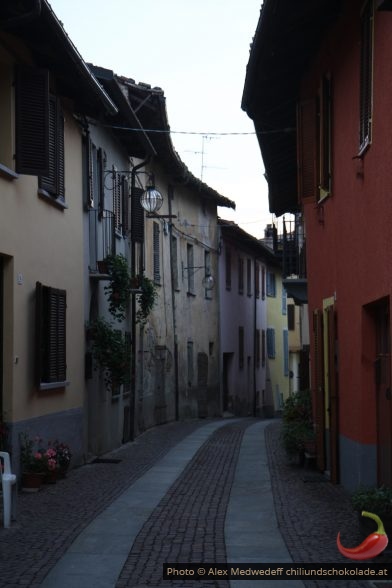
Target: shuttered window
pixel 271 343
pixel 117 183
pixel 285 353
pixel 32 121
pixel 257 345
pixel 51 335
pixel 271 284
pixel 124 202
pixel 263 283
pixel 241 349
pixel 263 347
pixel 366 76
pixel 53 182
pixel 240 275
pixel 156 253
pixel 291 317
pixel 137 216
pixel 249 277
pixel 257 280
pixel 174 257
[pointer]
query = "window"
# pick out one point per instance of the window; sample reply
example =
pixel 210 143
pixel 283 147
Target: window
pixel 174 252
pixel 263 347
pixel 190 363
pixel 271 343
pixel 366 77
pixel 93 175
pixel 257 280
pixel 257 336
pixel 156 252
pixel 228 268
pixel 271 284
pixel 249 277
pixel 240 275
pixel 51 336
pixel 207 272
pixel 120 203
pixel 291 317
pixel 285 353
pixel 32 121
pixel 263 283
pixel 284 301
pixel 325 137
pixel 241 350
pixel 190 271
pixel 53 182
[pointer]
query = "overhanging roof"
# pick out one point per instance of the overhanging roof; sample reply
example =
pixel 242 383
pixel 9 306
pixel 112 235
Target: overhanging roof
pixel 287 35
pixel 37 26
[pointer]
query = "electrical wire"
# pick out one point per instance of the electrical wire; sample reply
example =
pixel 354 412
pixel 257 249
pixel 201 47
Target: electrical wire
pixel 212 133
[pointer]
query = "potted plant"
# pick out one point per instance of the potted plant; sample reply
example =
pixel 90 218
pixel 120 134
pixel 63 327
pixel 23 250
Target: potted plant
pixel 119 287
pixel 146 300
pixel 32 463
pixel 375 500
pixel 111 353
pixel 63 457
pixel 298 430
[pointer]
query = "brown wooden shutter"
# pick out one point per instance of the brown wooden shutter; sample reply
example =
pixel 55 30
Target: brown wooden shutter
pixel 117 200
pixel 101 158
pixel 137 216
pixel 48 181
pixel 32 121
pixel 156 257
pixel 56 364
pixel 50 334
pixel 125 198
pixel 307 150
pixel 366 75
pixel 60 164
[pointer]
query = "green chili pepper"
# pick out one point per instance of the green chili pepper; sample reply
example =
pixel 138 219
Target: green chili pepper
pixel 372 546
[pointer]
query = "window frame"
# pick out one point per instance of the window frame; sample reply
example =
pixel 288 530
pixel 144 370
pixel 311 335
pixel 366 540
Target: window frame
pixel 51 339
pixel 366 77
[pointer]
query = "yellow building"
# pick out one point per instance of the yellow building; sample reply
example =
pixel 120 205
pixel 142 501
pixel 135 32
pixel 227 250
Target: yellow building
pixel 46 89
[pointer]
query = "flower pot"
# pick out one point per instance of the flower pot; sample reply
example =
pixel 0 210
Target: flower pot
pixel 32 481
pixel 51 477
pixel 102 266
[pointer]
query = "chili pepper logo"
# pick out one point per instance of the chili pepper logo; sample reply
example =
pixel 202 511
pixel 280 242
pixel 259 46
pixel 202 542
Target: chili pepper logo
pixel 372 546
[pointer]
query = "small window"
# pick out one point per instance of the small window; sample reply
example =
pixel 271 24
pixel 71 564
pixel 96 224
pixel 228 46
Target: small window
pixel 51 336
pixel 271 284
pixel 263 347
pixel 207 272
pixel 263 283
pixel 284 301
pixel 271 343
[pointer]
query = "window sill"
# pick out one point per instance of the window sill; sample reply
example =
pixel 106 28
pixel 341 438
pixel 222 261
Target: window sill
pixel 8 173
pixel 57 202
pixel 53 385
pixel 191 294
pixel 363 149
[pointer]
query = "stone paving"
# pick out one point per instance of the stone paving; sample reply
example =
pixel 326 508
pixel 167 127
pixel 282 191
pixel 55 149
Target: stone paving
pixel 310 510
pixel 188 524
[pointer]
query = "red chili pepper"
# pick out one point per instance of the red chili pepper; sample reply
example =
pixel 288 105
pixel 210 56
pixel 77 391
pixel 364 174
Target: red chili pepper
pixel 372 546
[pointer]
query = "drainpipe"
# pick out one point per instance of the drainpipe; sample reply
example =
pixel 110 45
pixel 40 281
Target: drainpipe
pixel 132 400
pixel 173 301
pixel 254 337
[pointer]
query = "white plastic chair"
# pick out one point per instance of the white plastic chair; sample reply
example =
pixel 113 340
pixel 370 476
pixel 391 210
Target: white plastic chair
pixel 7 481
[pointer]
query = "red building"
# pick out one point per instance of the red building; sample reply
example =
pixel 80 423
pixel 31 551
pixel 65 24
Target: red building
pixel 318 88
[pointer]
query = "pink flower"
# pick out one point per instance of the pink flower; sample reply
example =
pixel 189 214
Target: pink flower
pixel 37 455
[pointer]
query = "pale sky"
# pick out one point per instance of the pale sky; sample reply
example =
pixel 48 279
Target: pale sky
pixel 197 52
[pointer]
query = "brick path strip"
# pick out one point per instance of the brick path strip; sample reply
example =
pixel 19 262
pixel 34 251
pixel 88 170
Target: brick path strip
pixel 188 524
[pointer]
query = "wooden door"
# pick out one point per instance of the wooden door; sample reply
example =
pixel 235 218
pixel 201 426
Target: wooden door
pixel 383 392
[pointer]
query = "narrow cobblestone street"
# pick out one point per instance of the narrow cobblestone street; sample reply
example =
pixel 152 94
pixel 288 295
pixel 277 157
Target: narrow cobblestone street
pixel 188 522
